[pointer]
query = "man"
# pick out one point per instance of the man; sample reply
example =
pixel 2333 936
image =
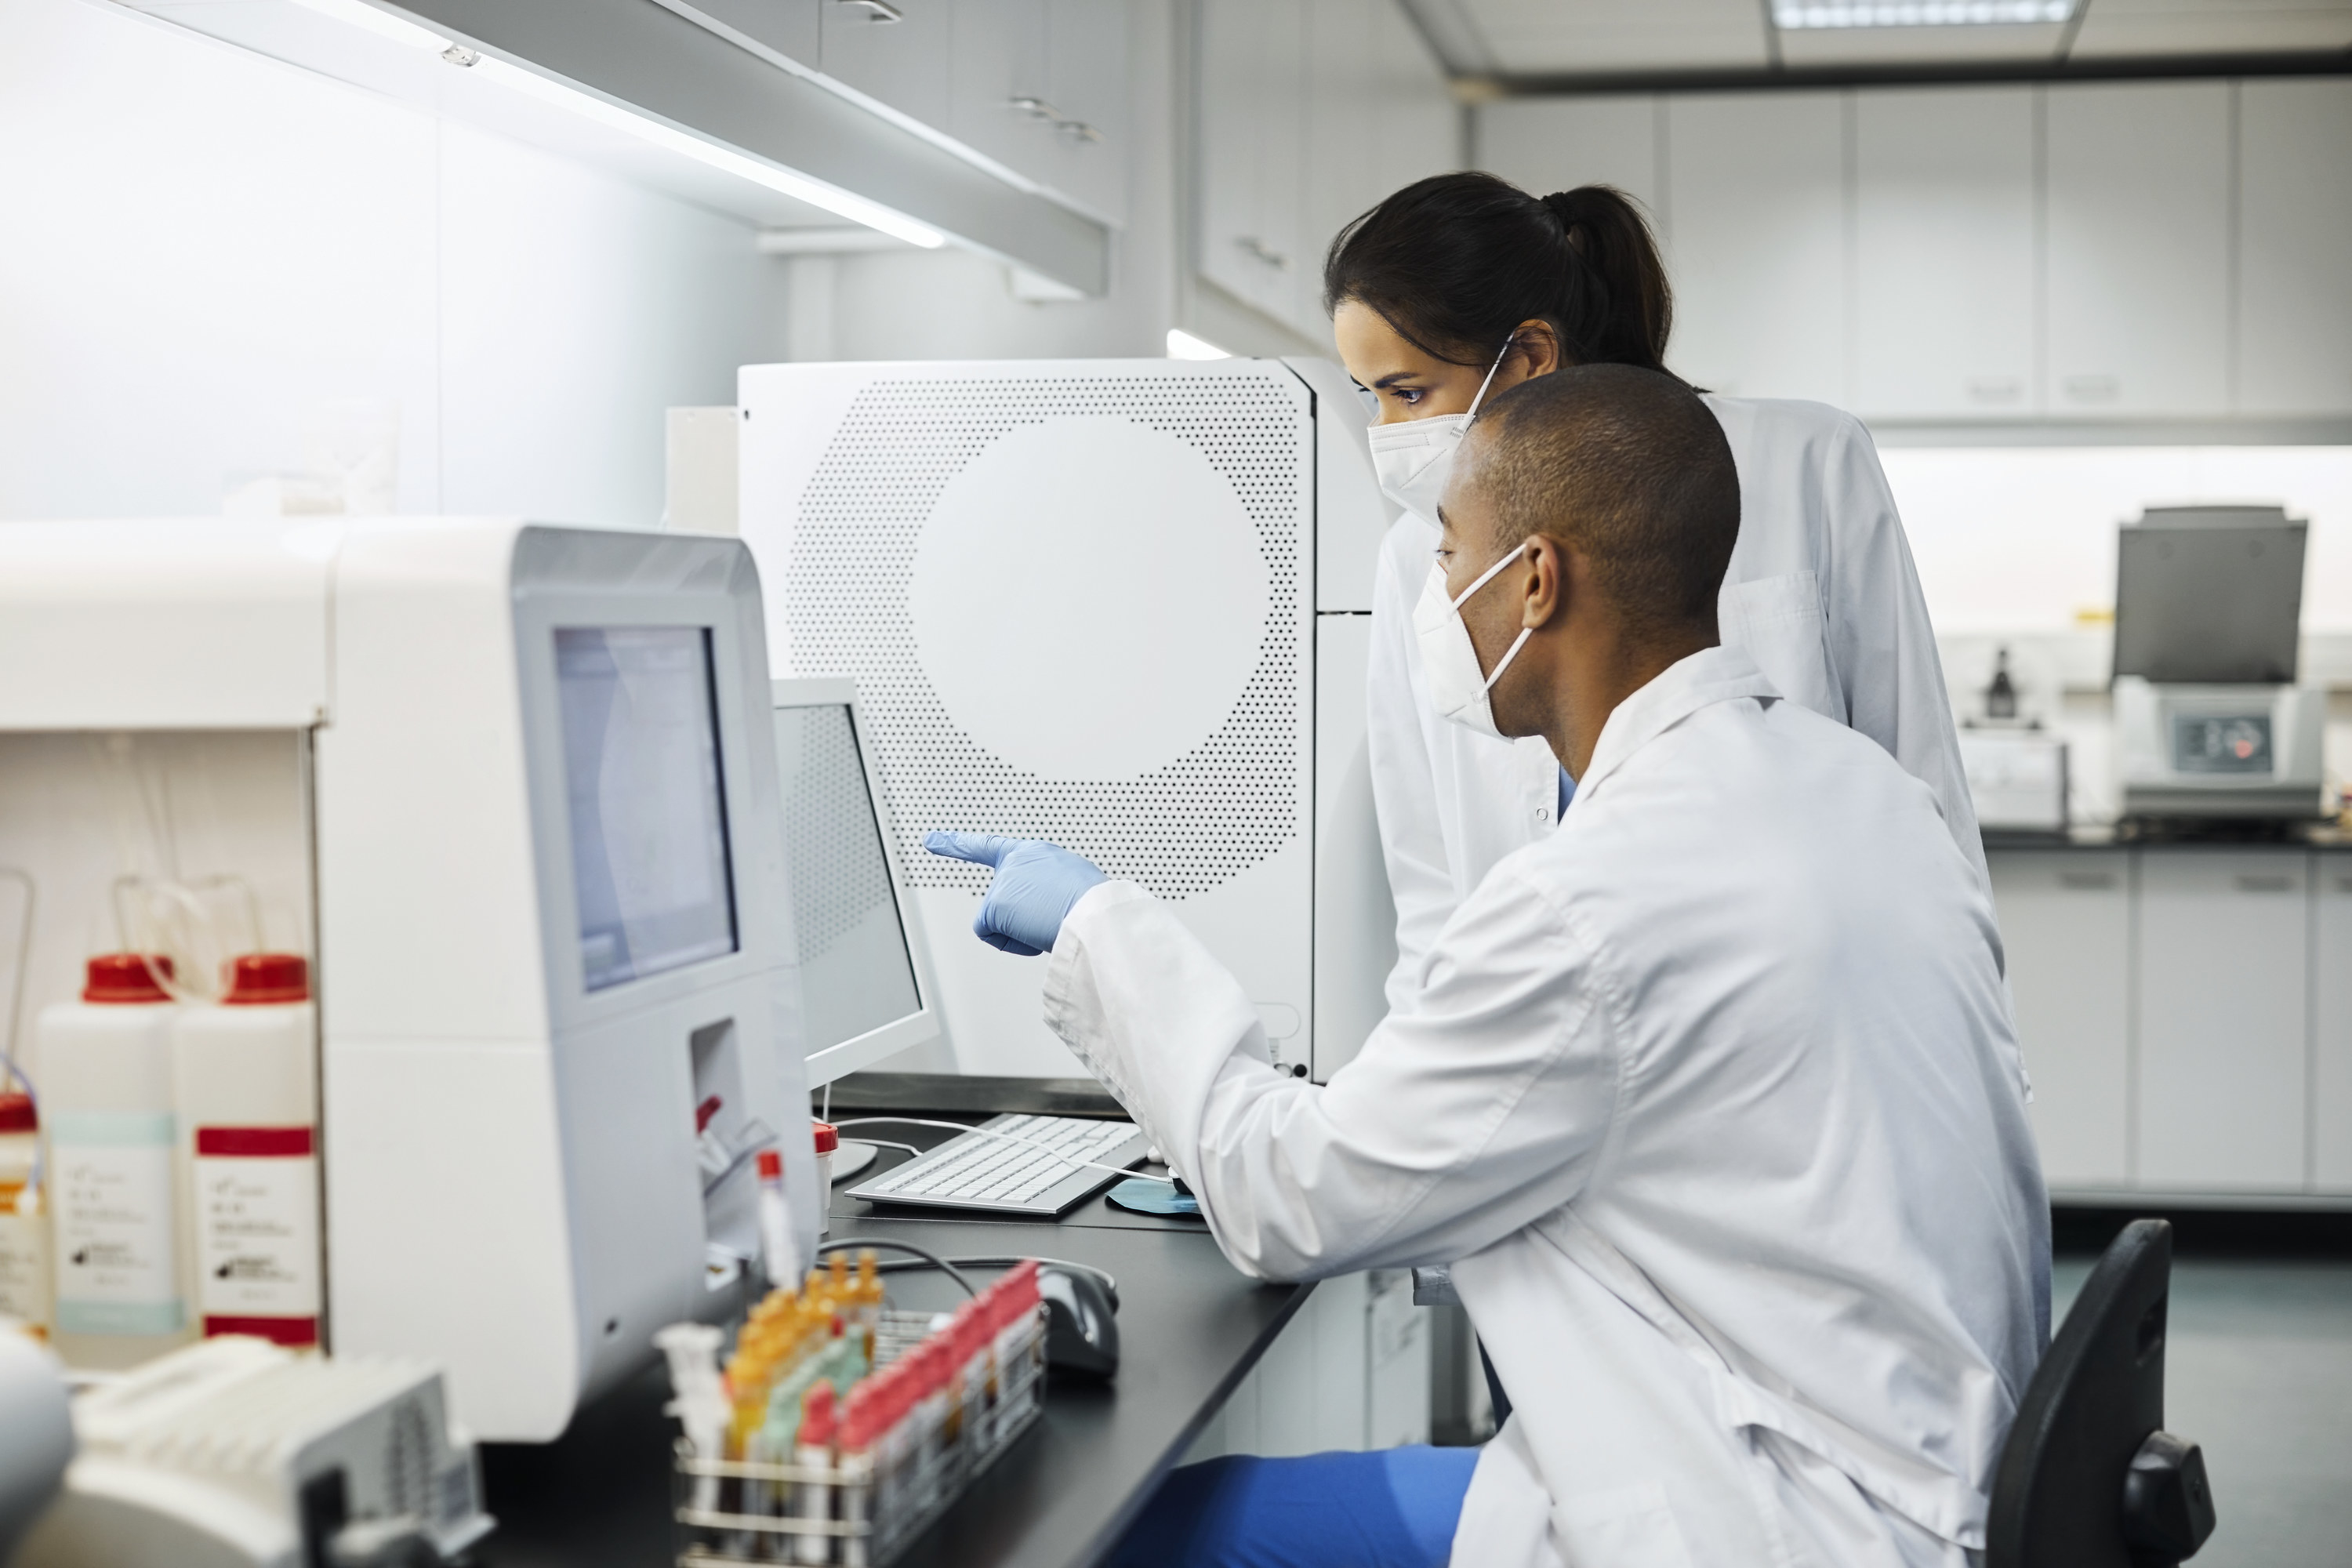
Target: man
pixel 1711 1099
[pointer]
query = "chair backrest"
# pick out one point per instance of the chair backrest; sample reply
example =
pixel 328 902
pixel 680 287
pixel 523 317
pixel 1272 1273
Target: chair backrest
pixel 2058 1498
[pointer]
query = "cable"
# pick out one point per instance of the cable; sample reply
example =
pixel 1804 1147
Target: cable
pixel 927 1260
pixel 933 1258
pixel 885 1144
pixel 989 1133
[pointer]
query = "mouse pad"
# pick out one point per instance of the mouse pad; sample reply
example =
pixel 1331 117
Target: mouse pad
pixel 1145 1194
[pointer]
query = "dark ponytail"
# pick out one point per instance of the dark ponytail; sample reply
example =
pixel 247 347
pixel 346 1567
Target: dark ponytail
pixel 1455 262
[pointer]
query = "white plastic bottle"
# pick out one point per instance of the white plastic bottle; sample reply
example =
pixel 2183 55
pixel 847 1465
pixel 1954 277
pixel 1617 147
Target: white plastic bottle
pixel 106 1093
pixel 23 1220
pixel 244 1079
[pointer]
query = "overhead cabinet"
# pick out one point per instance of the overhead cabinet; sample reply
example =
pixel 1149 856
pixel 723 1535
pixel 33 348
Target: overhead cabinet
pixel 1756 201
pixel 2138 250
pixel 894 51
pixel 1944 253
pixel 2294 247
pixel 2092 252
pixel 1308 112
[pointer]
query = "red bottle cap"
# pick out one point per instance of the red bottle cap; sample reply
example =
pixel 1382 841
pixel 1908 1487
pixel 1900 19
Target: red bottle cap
pixel 828 1137
pixel 17 1114
pixel 772 1166
pixel 122 977
pixel 259 978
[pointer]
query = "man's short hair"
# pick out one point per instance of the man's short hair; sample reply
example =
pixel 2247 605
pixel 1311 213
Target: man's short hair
pixel 1628 466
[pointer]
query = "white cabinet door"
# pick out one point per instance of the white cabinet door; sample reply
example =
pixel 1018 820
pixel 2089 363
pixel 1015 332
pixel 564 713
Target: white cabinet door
pixel 1756 198
pixel 1943 258
pixel 791 27
pixel 999 84
pixel 902 63
pixel 1085 43
pixel 2294 247
pixel 2139 206
pixel 2331 958
pixel 2066 922
pixel 1416 125
pixel 2224 1018
pixel 1343 110
pixel 1547 144
pixel 1252 85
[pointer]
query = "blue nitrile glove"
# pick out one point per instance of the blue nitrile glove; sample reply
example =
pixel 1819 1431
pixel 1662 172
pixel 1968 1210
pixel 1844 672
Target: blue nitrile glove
pixel 1037 885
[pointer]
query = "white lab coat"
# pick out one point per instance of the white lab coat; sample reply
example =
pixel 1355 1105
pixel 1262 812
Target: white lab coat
pixel 1821 593
pixel 1713 1102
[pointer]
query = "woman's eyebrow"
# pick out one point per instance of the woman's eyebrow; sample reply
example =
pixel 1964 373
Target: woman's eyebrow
pixel 1393 377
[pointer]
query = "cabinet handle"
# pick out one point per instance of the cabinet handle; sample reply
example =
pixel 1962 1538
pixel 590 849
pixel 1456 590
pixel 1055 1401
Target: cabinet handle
pixel 2094 388
pixel 1258 248
pixel 1996 388
pixel 1036 109
pixel 2269 883
pixel 877 10
pixel 1077 131
pixel 2087 882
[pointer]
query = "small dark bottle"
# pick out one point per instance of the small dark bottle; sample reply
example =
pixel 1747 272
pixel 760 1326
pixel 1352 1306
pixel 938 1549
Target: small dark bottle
pixel 2000 697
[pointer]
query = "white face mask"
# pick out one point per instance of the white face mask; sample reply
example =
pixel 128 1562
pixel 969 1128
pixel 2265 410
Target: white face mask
pixel 1413 458
pixel 1449 661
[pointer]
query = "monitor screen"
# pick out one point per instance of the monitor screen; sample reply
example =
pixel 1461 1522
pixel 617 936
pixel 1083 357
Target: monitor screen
pixel 647 803
pixel 855 972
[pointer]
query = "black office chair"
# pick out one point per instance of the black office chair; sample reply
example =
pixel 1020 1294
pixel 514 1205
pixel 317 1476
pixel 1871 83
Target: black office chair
pixel 2089 1478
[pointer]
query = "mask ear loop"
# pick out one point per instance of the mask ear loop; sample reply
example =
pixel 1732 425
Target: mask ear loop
pixel 1499 358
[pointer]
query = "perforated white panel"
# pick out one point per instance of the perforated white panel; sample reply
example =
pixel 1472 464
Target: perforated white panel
pixel 1222 806
pixel 839 879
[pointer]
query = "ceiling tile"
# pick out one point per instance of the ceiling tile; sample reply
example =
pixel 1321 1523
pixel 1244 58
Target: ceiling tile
pixel 1537 37
pixel 2120 27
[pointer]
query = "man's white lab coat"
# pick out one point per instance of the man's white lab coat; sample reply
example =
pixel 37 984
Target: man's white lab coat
pixel 1713 1102
pixel 1821 593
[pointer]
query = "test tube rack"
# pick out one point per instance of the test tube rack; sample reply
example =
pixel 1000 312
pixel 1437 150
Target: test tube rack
pixel 878 1504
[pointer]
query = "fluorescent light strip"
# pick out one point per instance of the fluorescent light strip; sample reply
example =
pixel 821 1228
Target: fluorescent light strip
pixel 841 203
pixel 1924 14
pixel 1183 344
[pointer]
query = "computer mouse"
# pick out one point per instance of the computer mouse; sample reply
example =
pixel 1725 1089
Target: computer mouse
pixel 1081 1325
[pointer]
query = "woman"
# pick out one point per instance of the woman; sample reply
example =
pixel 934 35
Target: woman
pixel 1462 286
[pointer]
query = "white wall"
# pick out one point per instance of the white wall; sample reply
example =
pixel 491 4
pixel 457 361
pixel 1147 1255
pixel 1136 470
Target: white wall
pixel 201 247
pixel 2013 539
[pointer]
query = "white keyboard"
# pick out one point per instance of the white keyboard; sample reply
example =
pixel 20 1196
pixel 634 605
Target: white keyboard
pixel 1038 1176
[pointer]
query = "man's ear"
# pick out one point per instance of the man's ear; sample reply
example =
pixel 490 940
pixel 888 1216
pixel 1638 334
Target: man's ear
pixel 1547 580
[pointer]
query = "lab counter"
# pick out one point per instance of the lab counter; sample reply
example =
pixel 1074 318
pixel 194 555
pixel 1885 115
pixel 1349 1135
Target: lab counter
pixel 1190 1327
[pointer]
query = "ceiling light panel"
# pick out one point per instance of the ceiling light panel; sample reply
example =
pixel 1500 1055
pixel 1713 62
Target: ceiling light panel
pixel 1795 16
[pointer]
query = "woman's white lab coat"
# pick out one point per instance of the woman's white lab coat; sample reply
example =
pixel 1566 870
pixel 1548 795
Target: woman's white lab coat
pixel 1821 593
pixel 1712 1102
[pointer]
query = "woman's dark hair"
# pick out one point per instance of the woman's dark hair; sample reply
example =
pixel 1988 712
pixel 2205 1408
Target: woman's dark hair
pixel 1455 262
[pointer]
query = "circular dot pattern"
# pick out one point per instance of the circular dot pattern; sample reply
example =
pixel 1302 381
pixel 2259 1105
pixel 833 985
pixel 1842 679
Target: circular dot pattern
pixel 1189 827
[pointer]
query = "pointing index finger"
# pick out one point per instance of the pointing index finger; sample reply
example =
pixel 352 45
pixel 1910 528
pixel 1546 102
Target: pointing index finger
pixel 982 848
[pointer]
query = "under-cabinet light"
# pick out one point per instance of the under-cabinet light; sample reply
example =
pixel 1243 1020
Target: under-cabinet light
pixel 800 188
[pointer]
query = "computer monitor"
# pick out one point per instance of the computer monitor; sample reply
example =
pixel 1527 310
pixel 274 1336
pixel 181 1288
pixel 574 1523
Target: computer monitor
pixel 866 991
pixel 651 872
